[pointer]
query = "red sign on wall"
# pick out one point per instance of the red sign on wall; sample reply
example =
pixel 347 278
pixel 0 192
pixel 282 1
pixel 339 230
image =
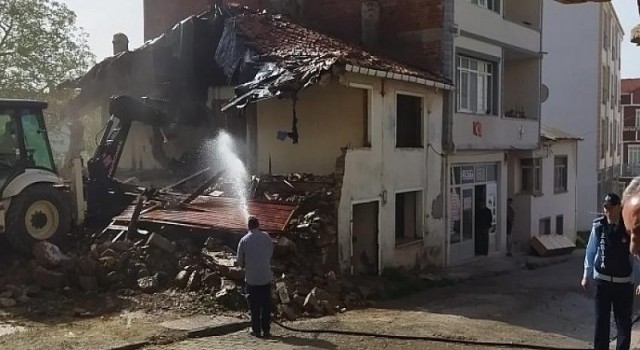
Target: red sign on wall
pixel 477 129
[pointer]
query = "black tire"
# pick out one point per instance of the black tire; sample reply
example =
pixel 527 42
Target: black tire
pixel 51 201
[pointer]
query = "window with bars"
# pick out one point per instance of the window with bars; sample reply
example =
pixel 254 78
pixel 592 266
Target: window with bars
pixel 476 89
pixel 560 174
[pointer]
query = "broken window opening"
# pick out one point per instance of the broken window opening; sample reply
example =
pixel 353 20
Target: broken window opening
pixel 408 121
pixel 408 223
pixel 366 117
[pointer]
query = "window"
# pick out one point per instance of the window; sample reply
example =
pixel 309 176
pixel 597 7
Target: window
pixel 605 84
pixel 408 121
pixel 531 175
pixel 637 125
pixel 560 174
pixel 408 217
pixel 605 31
pixel 475 86
pixel 625 99
pixel 35 141
pixel 612 138
pixel 366 117
pixel 545 226
pixel 493 5
pixel 633 155
pixel 559 225
pixel 603 138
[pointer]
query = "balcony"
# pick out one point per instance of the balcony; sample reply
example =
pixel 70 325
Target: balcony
pixel 517 23
pixel 521 90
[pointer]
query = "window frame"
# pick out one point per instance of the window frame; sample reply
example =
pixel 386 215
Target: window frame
pixel 421 120
pixel 536 176
pixel 546 223
pixel 485 69
pixel 491 5
pixel 560 224
pixel 633 149
pixel 418 235
pixel 560 180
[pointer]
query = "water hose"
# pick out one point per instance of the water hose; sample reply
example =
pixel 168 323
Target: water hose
pixel 439 339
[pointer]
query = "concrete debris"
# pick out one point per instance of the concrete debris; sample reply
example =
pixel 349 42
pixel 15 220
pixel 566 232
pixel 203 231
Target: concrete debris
pixel 8 302
pixel 48 255
pixel 149 284
pixel 48 279
pixel 201 262
pixel 155 240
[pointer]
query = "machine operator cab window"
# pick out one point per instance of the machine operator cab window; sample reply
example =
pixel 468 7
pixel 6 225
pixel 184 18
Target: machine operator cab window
pixel 23 142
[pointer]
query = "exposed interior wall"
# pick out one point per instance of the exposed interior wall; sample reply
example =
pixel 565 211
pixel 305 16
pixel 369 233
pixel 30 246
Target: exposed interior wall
pixel 379 164
pixel 329 118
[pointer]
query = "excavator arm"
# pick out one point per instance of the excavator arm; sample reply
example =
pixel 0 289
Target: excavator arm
pixel 106 196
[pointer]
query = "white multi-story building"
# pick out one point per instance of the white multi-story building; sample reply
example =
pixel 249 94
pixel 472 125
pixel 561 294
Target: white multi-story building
pixel 581 70
pixel 494 58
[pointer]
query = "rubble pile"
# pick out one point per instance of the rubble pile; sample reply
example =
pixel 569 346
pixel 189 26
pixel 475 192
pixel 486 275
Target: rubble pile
pixel 171 258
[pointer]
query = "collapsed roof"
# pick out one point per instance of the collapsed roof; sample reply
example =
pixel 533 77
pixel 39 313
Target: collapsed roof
pixel 263 55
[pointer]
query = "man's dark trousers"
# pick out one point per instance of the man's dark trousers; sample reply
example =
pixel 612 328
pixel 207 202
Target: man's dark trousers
pixel 260 307
pixel 620 295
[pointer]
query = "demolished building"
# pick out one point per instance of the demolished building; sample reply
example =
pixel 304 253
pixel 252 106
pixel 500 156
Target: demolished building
pixel 298 102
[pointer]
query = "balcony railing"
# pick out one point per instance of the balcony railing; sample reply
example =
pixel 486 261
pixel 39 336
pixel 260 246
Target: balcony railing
pixel 630 170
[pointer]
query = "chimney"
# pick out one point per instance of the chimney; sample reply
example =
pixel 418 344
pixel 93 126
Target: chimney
pixel 120 43
pixel 370 19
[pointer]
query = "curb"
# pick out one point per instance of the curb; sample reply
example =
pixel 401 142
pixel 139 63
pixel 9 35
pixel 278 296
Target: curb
pixel 212 331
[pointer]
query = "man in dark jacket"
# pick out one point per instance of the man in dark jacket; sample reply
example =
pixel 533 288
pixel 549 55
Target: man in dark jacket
pixel 483 221
pixel 614 272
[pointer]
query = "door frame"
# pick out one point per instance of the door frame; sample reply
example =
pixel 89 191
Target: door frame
pixel 378 245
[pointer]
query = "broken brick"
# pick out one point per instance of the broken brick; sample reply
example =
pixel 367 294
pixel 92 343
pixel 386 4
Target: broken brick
pixel 48 279
pixel 157 241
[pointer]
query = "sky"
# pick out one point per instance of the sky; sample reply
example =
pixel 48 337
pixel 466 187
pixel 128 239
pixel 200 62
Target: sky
pixel 103 18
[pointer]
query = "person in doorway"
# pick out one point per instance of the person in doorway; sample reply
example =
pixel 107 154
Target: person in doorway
pixel 255 251
pixel 614 272
pixel 511 216
pixel 483 221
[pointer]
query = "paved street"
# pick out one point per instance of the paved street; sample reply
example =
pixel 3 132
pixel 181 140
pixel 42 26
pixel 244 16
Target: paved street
pixel 543 307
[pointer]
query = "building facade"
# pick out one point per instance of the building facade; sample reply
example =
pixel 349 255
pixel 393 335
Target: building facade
pixel 587 104
pixel 489 49
pixel 553 169
pixel 630 102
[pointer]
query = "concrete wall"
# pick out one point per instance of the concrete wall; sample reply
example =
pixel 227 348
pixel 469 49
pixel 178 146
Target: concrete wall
pixel 525 13
pixel 574 104
pixel 485 23
pixel 530 209
pixel 381 171
pixel 329 118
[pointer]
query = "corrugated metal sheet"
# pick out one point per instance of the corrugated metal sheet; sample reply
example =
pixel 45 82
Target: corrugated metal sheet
pixel 552 134
pixel 222 214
